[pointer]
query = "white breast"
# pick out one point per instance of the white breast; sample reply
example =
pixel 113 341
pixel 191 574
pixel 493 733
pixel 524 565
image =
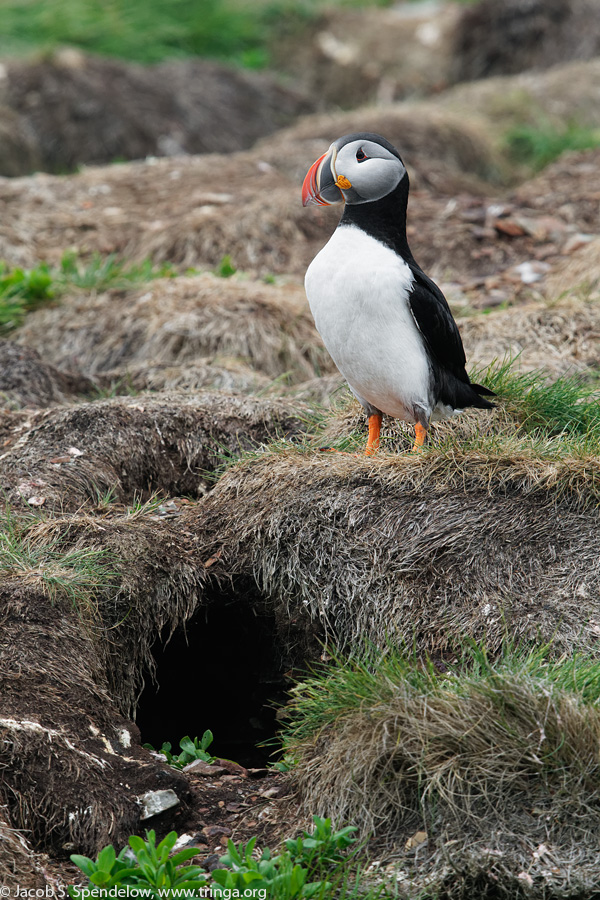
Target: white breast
pixel 358 291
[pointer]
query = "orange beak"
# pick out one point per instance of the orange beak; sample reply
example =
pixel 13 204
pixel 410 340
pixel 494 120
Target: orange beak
pixel 310 188
pixel 319 188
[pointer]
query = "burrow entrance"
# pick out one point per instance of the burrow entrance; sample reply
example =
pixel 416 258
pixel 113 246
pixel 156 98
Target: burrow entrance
pixel 223 671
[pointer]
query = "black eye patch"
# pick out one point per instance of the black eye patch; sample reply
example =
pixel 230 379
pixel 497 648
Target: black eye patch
pixel 361 155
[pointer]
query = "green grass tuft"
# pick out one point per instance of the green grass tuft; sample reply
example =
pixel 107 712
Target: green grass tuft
pixel 464 737
pixel 22 290
pixel 566 408
pixel 538 145
pixel 36 556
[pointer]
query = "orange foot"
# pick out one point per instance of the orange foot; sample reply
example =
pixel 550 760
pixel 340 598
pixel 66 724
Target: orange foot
pixel 420 435
pixel 374 429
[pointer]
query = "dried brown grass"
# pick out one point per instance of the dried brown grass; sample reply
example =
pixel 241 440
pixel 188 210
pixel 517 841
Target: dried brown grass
pixel 156 584
pixel 193 211
pixel 578 277
pixel 560 337
pixel 73 769
pixel 565 93
pixel 78 109
pixel 444 151
pixel 349 56
pixel 517 35
pixel 180 321
pixel 567 189
pixel 18 863
pixel 212 374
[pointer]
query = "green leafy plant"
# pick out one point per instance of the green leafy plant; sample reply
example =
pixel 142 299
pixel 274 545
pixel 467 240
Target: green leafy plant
pixel 147 866
pixel 225 269
pixel 279 876
pixel 190 750
pixel 22 290
pixel 284 765
pixel 324 845
pixel 318 855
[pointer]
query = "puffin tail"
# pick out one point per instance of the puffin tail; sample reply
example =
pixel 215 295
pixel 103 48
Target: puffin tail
pixel 482 392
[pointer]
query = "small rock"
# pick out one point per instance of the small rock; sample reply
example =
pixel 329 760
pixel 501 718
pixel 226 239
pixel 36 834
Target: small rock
pixel 199 767
pixel 182 841
pixel 214 830
pixel 418 838
pixel 212 862
pixel 531 271
pixel 273 792
pixel 510 227
pixel 232 767
pixel 155 802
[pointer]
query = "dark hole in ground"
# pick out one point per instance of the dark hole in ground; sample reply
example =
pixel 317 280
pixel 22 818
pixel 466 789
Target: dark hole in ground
pixel 223 672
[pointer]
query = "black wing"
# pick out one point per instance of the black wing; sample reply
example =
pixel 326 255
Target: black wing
pixel 436 323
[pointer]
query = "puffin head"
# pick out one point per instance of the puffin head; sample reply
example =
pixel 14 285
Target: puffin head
pixel 357 168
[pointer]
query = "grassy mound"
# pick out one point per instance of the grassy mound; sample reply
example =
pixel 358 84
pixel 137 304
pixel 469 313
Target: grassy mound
pixel 493 763
pixel 78 109
pixel 560 338
pixel 82 600
pixel 518 35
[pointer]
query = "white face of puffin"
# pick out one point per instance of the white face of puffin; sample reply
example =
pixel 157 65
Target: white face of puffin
pixel 359 171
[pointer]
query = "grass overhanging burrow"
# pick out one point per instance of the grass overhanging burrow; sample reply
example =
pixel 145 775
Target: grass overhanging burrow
pixel 499 752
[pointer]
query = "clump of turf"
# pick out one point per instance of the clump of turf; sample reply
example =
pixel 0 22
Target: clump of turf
pixel 495 761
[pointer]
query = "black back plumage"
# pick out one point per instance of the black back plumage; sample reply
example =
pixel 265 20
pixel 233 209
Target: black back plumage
pixel 385 220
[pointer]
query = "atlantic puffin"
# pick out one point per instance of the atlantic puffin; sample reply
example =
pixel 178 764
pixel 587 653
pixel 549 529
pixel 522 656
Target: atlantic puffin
pixel 386 325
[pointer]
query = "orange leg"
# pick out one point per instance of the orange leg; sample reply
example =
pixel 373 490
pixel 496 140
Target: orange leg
pixel 374 429
pixel 420 435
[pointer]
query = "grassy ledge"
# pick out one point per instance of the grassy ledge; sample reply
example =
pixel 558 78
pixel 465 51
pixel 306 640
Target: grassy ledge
pixel 543 436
